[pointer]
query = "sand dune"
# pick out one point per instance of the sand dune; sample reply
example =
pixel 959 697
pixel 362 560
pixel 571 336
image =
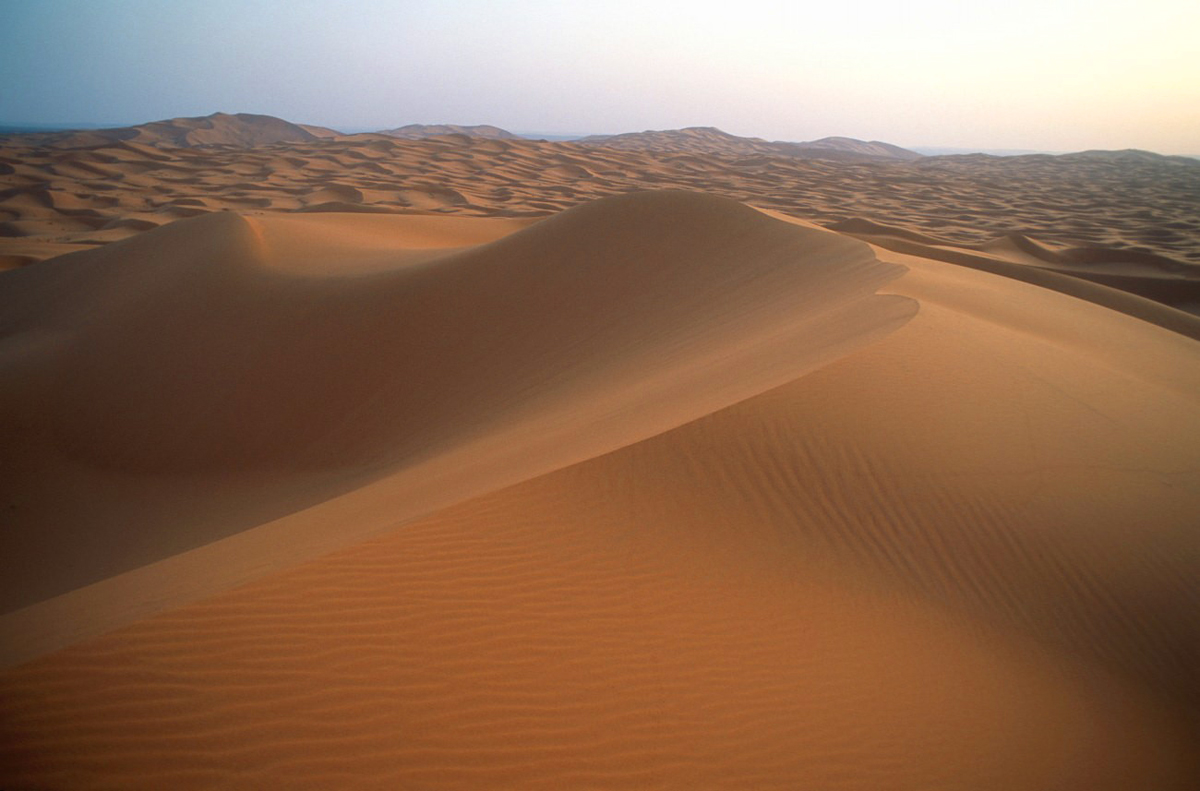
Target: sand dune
pixel 1125 220
pixel 661 491
pixel 708 140
pixel 218 129
pixel 320 131
pixel 867 148
pixel 619 314
pixel 418 131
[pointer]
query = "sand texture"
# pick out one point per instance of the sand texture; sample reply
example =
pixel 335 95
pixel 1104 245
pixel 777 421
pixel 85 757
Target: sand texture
pixel 423 469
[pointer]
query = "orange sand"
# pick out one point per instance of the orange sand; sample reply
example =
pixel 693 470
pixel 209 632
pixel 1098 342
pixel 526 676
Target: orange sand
pixel 1126 220
pixel 660 492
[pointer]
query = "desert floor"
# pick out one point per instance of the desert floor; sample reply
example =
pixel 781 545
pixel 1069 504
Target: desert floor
pixel 461 463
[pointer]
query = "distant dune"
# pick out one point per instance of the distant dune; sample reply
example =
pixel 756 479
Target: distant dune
pixel 849 145
pixel 319 131
pixel 418 131
pixel 223 129
pixel 241 129
pixel 55 200
pixel 359 462
pixel 710 140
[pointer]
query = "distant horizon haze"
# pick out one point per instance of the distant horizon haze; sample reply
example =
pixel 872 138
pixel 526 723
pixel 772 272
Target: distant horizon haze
pixel 1023 75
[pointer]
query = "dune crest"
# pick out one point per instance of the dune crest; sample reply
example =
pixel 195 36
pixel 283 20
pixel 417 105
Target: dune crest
pixel 418 131
pixel 217 129
pixel 1151 287
pixel 707 140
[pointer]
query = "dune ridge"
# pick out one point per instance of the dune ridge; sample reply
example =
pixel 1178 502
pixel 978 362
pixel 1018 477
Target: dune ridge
pixel 709 140
pixel 418 131
pixel 236 129
pixel 658 492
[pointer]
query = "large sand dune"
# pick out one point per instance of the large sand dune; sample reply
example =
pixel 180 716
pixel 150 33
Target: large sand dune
pixel 304 357
pixel 659 492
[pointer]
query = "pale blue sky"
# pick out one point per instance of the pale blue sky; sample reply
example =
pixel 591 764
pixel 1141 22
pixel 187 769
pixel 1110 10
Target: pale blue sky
pixel 1038 74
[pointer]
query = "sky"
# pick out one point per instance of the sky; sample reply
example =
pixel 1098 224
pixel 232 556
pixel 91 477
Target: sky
pixel 1057 75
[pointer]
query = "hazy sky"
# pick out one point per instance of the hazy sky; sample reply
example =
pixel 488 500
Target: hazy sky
pixel 1038 74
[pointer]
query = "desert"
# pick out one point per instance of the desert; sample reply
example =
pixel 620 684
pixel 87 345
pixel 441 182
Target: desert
pixel 501 396
pixel 460 461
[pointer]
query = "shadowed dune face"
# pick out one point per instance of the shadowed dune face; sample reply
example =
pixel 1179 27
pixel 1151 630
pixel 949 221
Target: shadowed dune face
pixel 290 355
pixel 657 492
pixel 206 353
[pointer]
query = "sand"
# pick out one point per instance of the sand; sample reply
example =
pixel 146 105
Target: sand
pixel 1110 213
pixel 708 140
pixel 661 491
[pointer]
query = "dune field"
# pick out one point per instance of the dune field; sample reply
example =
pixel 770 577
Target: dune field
pixel 463 462
pixel 85 190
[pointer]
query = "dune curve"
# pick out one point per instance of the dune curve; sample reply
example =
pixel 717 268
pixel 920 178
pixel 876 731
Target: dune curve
pixel 189 385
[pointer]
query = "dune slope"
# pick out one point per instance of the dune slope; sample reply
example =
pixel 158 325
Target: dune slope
pixel 902 523
pixel 181 386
